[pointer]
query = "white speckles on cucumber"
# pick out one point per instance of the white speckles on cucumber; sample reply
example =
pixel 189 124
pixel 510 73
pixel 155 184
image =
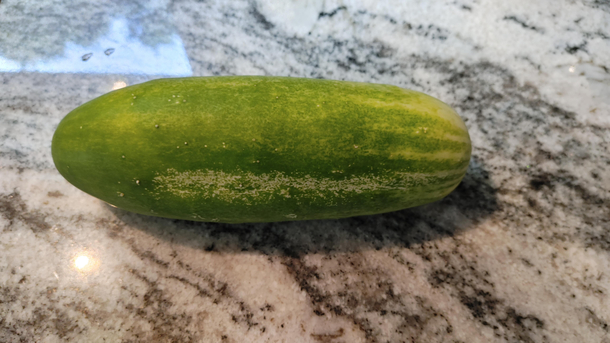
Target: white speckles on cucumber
pixel 257 188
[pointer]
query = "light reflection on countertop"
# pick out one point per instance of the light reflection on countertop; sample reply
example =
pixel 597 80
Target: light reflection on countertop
pixel 119 85
pixel 85 262
pixel 81 261
pixel 115 52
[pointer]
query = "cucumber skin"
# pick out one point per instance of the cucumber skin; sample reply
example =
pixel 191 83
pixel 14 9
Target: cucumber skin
pixel 262 149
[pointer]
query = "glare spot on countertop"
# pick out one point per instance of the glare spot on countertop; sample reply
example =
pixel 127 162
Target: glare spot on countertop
pixel 128 55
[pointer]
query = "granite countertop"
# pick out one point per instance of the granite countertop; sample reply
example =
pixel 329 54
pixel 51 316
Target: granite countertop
pixel 520 252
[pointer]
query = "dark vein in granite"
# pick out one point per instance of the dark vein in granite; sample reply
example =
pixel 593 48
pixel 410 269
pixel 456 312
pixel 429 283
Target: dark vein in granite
pixel 206 286
pixel 51 314
pixel 594 319
pixel 155 308
pixel 601 4
pixel 368 300
pixel 332 13
pixel 12 207
pixel 465 281
pixel 522 106
pixel 572 49
pixel 260 18
pixel 523 23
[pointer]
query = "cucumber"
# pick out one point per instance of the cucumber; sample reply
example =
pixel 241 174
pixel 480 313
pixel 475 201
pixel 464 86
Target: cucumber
pixel 262 149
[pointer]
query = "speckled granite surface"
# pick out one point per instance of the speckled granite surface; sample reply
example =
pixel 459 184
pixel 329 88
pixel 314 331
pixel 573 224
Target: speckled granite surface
pixel 520 252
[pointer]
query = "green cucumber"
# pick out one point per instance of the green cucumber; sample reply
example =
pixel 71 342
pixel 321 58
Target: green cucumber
pixel 262 149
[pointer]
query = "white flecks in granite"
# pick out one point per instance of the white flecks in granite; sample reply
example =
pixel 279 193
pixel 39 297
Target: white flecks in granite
pixel 519 252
